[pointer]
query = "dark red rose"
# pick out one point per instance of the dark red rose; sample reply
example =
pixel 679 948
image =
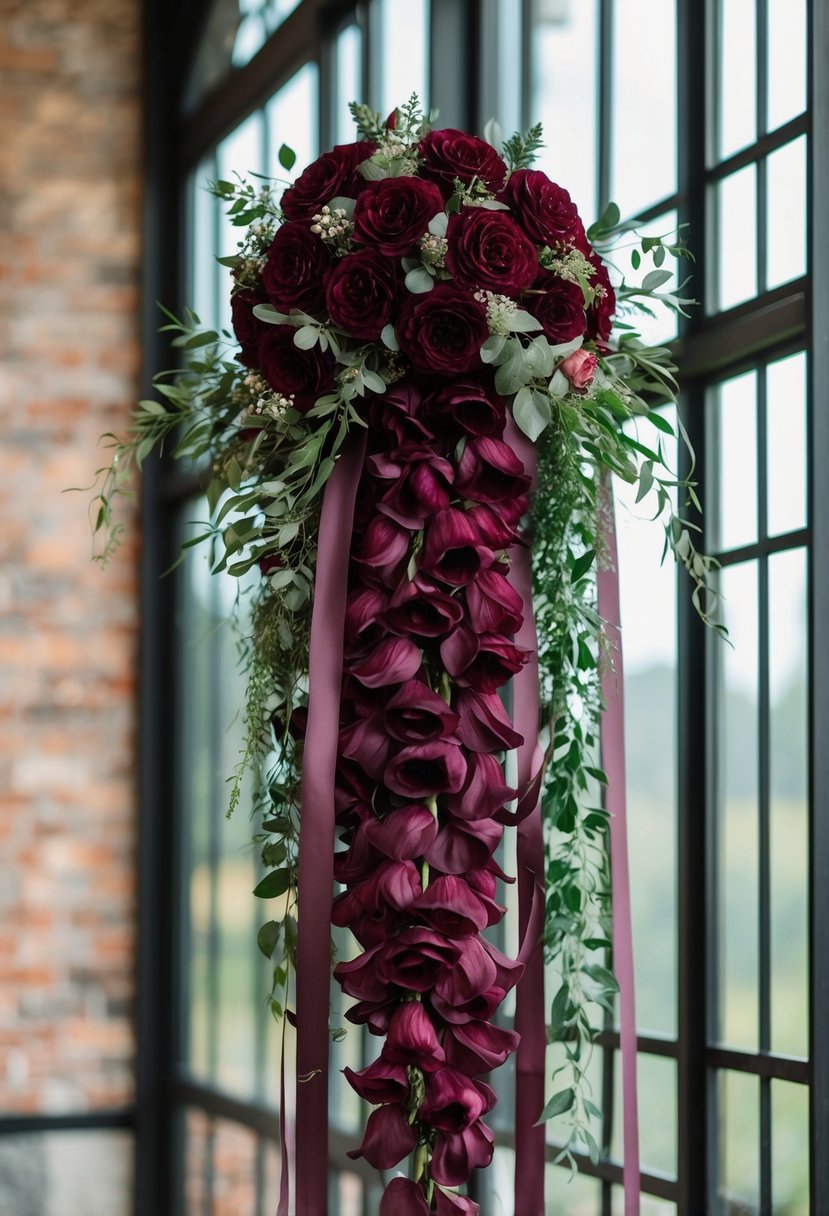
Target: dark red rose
pixel 467 405
pixel 392 214
pixel 488 250
pixel 489 471
pixel 248 328
pixel 603 309
pixel 389 1137
pixel 360 292
pixel 442 330
pixel 302 374
pixel 560 310
pixel 331 175
pixel 448 154
pixel 294 269
pixel 544 210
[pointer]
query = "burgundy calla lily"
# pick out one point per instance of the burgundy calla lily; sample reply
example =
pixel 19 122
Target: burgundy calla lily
pixel 416 714
pixel 483 723
pixel 363 610
pixel 460 846
pixel 404 833
pixel 391 661
pixel 382 1081
pixel 403 1197
pixel 449 905
pixel 419 608
pixel 457 1154
pixel 415 959
pixel 389 1137
pixel 425 769
pixel 450 1203
pixel 453 550
pixel 454 1101
pixel 489 471
pixel 412 1038
pixel 493 604
pixel 477 1047
pixel 484 791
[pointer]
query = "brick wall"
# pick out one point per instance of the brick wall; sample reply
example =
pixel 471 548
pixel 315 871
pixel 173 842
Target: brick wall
pixel 69 256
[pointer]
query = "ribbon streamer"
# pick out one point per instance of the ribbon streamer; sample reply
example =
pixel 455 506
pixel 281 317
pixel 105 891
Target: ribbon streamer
pixel 613 762
pixel 530 1014
pixel 316 833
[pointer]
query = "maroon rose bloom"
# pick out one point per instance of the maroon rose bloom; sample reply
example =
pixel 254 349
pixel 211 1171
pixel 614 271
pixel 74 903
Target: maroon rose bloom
pixel 467 405
pixel 426 769
pixel 416 714
pixel 414 959
pixel 453 551
pixel 412 1038
pixel 332 174
pixel 404 1198
pixel 248 328
pixel 302 374
pixel 442 330
pixel 392 214
pixel 382 1081
pixel 489 471
pixel 360 293
pixel 603 309
pixel 449 153
pixel 294 269
pixel 457 1154
pixel 389 1137
pixel 488 250
pixel 544 210
pixel 559 310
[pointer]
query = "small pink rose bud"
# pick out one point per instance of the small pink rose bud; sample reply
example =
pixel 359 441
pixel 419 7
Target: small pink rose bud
pixel 579 368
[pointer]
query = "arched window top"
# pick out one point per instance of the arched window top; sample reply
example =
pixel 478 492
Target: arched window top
pixel 233 32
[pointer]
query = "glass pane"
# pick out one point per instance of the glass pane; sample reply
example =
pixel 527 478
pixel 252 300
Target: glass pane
pixel 201 268
pixel 648 1204
pixel 786 443
pixel 349 78
pixel 292 117
pixel 239 153
pixel 649 633
pixel 349 1193
pixel 737 76
pixel 644 80
pixel 790 1148
pixel 736 915
pixel 786 229
pixel 197 1150
pixel 565 94
pixel 738 1181
pixel 736 268
pixel 733 461
pixel 233 1179
pixel 85 1173
pixel 661 327
pixel 405 53
pixel 786 61
pixel 657 1113
pixel 788 792
pixel 259 19
pixel 572 1196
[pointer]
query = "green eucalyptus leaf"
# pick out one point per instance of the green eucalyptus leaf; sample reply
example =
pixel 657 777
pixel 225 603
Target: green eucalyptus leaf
pixel 268 937
pixel 419 281
pixel 558 1104
pixel 287 157
pixel 273 885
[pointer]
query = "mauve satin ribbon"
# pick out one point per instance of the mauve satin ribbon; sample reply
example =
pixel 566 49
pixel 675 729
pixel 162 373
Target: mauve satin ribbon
pixel 530 1013
pixel 613 762
pixel 316 833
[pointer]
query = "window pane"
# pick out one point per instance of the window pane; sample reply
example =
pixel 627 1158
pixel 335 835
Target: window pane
pixel 234 1169
pixel 788 780
pixel 649 632
pixel 564 96
pixel 648 1205
pixel 259 18
pixel 786 61
pixel 736 915
pixel 735 271
pixel 659 324
pixel 738 1181
pixel 405 53
pixel 786 236
pixel 786 443
pixel 790 1148
pixel 85 1173
pixel 657 1113
pixel 737 76
pixel 644 85
pixel 349 57
pixel 196 1162
pixel 732 458
pixel 566 1196
pixel 201 268
pixel 239 153
pixel 292 117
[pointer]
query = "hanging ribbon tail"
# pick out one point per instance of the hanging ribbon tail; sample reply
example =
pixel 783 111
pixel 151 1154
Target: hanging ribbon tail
pixel 284 1163
pixel 613 762
pixel 316 832
pixel 530 1019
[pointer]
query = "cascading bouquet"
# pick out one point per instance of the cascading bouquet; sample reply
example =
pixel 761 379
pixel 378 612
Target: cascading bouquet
pixel 427 391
